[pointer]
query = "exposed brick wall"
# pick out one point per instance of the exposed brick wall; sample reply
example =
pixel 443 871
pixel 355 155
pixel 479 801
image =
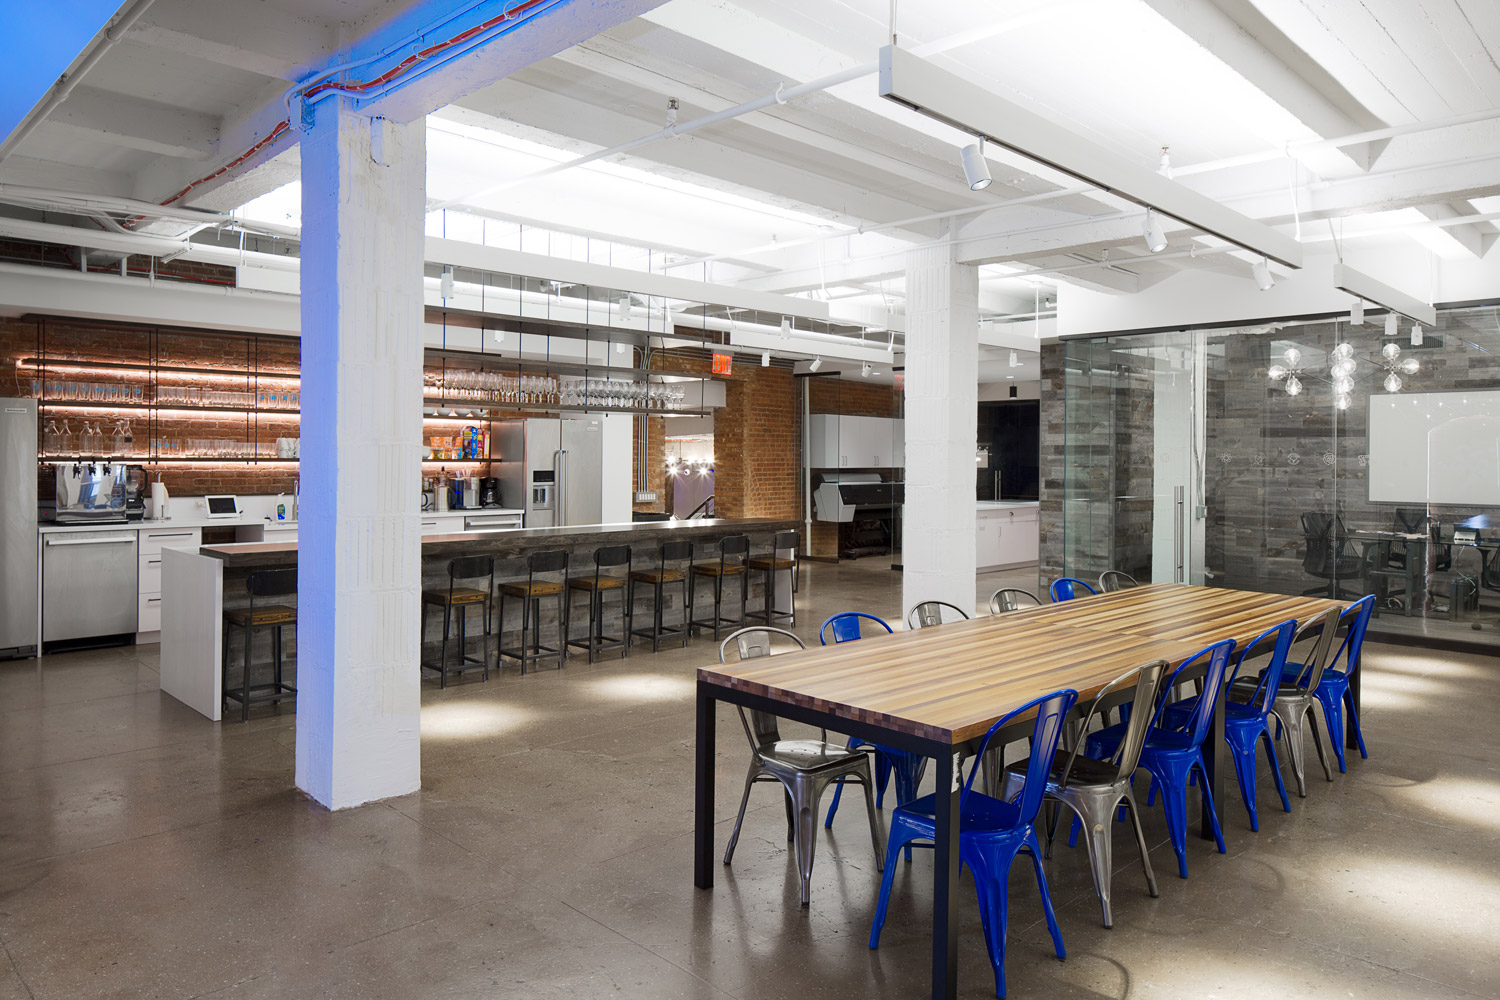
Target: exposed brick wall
pixel 656 471
pixel 61 339
pixel 851 398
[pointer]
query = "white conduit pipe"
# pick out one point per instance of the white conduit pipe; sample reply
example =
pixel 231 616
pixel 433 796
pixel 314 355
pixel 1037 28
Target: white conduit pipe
pixel 65 83
pixel 95 205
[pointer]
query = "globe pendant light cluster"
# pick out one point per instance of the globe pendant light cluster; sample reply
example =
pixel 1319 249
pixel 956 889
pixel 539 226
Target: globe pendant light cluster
pixel 1342 366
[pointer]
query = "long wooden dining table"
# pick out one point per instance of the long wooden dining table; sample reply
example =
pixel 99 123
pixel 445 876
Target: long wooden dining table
pixel 936 691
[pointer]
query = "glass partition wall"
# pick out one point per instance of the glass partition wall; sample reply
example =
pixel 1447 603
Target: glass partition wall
pixel 1318 458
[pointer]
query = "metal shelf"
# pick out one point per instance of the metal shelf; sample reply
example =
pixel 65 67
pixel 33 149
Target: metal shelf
pixel 157 369
pixel 469 404
pixel 78 404
pixel 143 460
pixel 487 361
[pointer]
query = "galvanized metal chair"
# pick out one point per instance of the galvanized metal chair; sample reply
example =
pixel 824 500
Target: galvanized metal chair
pixel 805 768
pixel 1012 599
pixel 1094 788
pixel 1113 579
pixel 930 613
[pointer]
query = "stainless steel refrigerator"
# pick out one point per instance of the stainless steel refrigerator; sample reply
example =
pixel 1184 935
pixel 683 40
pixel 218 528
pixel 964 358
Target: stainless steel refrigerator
pixel 18 559
pixel 554 469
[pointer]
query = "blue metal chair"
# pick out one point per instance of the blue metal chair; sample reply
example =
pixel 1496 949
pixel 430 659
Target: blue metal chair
pixel 907 767
pixel 991 831
pixel 1066 588
pixel 1248 722
pixel 1333 689
pixel 1172 752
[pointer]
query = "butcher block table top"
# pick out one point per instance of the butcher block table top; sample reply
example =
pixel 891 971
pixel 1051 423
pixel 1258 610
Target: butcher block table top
pixel 951 682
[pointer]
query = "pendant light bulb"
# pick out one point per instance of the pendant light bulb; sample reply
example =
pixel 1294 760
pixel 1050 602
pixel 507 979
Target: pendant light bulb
pixel 1277 373
pixel 1342 401
pixel 1293 357
pixel 1391 351
pixel 976 170
pixel 1410 366
pixel 1393 382
pixel 1293 386
pixel 1156 240
pixel 1261 269
pixel 1344 350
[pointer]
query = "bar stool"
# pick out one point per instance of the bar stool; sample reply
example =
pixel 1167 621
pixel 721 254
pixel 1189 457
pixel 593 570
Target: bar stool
pixel 605 558
pixel 676 560
pixel 461 598
pixel 265 584
pixel 731 546
pixel 531 592
pixel 783 541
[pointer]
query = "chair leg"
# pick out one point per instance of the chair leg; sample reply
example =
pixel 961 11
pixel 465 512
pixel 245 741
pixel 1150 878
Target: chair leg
pixel 1333 718
pixel 1244 771
pixel 223 667
pixel 1291 728
pixel 526 613
pixel 443 658
pixel 875 836
pixel 245 680
pixel 1270 745
pixel 734 837
pixel 1140 842
pixel 1312 725
pixel 1034 850
pixel 893 846
pixel 805 803
pixel 562 647
pixel 1359 737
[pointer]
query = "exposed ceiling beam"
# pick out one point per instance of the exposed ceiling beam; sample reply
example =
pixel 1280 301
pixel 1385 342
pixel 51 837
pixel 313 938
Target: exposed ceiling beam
pixel 139 124
pixel 241 36
pixel 1475 237
pixel 1243 38
pixel 919 84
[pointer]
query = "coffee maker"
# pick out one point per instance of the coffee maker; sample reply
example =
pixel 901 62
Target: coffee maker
pixel 489 492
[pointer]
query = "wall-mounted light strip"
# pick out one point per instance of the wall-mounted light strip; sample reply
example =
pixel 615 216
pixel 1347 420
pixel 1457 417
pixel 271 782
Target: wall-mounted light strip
pixel 1346 279
pixel 908 79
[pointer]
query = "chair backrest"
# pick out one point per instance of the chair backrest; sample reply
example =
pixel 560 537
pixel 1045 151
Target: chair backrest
pixel 471 568
pixel 750 644
pixel 1113 579
pixel 272 583
pixel 785 541
pixel 1012 599
pixel 734 545
pixel 1051 710
pixel 1279 637
pixel 550 561
pixel 1323 629
pixel 1066 588
pixel 1196 725
pixel 676 552
pixel 1147 680
pixel 844 626
pixel 1315 530
pixel 1410 520
pixel 1354 639
pixel 930 613
pixel 607 556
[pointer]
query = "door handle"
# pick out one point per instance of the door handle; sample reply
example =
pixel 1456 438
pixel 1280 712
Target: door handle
pixel 90 541
pixel 169 534
pixel 1178 504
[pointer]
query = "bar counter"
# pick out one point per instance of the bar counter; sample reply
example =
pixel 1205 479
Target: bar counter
pixel 515 543
pixel 198 586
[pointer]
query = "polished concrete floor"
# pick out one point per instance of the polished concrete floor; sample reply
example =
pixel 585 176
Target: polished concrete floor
pixel 145 852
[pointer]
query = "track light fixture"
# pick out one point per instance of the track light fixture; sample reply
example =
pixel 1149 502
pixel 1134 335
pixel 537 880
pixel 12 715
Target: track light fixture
pixel 786 328
pixel 976 171
pixel 445 284
pixel 765 359
pixel 626 308
pixel 1262 271
pixel 1390 324
pixel 621 347
pixel 816 364
pixel 865 369
pixel 1416 335
pixel 1156 240
pixel 1357 313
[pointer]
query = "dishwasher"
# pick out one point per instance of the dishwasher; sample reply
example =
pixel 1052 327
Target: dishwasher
pixel 88 585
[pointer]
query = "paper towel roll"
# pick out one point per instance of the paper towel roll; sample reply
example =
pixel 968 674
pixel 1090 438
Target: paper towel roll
pixel 159 500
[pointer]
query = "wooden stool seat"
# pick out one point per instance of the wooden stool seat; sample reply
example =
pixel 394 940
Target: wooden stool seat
pixel 461 595
pixel 602 583
pixel 658 576
pixel 764 563
pixel 535 588
pixel 271 614
pixel 717 569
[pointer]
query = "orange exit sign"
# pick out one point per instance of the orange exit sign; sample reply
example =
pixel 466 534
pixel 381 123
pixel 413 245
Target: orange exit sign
pixel 723 363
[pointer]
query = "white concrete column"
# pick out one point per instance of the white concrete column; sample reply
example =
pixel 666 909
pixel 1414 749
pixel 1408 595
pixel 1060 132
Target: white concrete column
pixel 359 559
pixel 942 413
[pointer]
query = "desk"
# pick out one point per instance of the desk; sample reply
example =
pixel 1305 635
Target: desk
pixel 1417 597
pixel 936 691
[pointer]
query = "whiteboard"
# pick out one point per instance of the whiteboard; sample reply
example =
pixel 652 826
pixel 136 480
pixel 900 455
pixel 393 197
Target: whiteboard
pixel 1435 447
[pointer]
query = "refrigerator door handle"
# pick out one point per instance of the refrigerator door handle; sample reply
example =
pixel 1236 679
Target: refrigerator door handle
pixel 51 542
pixel 559 502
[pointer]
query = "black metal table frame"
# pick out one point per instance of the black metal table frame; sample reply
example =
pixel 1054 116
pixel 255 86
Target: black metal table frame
pixel 948 758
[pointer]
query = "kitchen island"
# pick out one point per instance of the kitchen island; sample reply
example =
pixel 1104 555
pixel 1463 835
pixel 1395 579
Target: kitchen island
pixel 199 585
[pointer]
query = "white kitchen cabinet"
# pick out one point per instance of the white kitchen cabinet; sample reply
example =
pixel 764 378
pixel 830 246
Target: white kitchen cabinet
pixel 845 442
pixel 148 574
pixel 1006 536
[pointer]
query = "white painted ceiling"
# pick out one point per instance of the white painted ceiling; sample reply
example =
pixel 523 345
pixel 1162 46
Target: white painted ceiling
pixel 822 195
